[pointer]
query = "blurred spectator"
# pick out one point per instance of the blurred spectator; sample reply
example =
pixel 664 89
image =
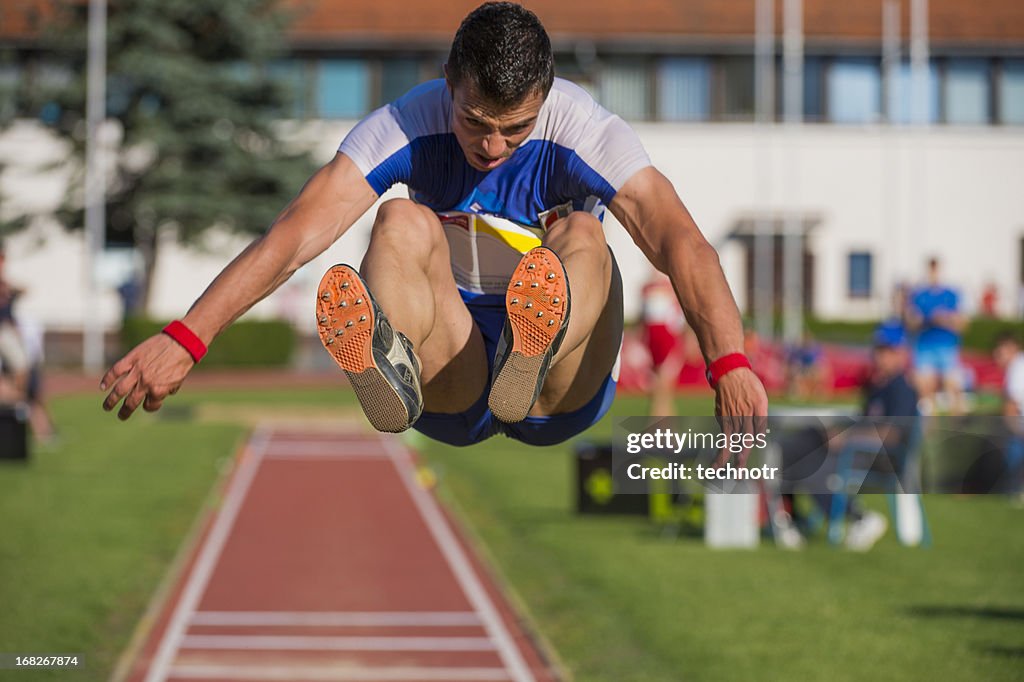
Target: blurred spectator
pixel 130 293
pixel 766 363
pixel 887 393
pixel 989 305
pixel 32 335
pixel 13 359
pixel 1008 355
pixel 898 313
pixel 934 317
pixel 663 323
pixel 807 372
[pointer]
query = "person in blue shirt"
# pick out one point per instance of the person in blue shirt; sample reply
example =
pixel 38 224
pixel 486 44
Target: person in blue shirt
pixel 934 317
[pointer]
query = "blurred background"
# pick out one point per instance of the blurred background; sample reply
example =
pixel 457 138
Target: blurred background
pixel 826 157
pixel 828 150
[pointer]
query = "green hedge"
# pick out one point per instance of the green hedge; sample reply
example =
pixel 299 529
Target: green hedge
pixel 255 343
pixel 980 334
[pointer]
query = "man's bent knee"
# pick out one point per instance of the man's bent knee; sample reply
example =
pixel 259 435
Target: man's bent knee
pixel 407 227
pixel 578 230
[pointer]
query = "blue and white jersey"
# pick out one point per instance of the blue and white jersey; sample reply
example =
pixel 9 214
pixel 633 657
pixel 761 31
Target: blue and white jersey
pixel 576 158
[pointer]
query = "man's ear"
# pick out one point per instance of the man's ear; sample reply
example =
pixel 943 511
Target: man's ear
pixel 447 80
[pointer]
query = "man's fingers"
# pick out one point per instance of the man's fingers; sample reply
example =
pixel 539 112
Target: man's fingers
pixel 154 401
pixel 118 369
pixel 131 403
pixel 122 386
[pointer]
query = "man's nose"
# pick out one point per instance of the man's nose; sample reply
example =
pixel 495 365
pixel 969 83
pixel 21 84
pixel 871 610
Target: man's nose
pixel 494 145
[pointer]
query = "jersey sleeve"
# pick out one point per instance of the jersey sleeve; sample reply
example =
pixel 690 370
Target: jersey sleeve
pixel 380 148
pixel 607 154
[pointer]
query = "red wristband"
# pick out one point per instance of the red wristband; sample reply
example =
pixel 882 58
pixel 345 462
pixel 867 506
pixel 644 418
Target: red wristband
pixel 188 340
pixel 725 364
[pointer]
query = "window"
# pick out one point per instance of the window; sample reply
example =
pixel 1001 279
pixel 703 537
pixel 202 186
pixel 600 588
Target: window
pixel 967 96
pixel 342 88
pixel 49 78
pixel 860 275
pixel 292 75
pixel 10 74
pixel 736 100
pixel 397 76
pixel 577 68
pixel 1011 92
pixel 684 89
pixel 625 88
pixel 814 89
pixel 10 77
pixel 855 90
pixel 899 99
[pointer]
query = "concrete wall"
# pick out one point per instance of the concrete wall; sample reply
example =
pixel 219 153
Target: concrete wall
pixel 899 194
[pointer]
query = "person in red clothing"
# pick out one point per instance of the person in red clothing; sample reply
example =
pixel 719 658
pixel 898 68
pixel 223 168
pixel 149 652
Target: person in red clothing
pixel 663 325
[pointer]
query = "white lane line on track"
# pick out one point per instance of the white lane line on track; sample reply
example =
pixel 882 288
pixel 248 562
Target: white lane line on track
pixel 308 673
pixel 320 457
pixel 336 449
pixel 208 556
pixel 461 568
pixel 315 643
pixel 336 618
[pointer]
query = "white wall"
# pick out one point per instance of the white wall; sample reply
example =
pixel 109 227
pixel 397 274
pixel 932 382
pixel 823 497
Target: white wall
pixel 900 194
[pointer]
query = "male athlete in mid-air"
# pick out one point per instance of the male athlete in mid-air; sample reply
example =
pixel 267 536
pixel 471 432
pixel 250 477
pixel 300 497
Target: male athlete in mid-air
pixel 488 302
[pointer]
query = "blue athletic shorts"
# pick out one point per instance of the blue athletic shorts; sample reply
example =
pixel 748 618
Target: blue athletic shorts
pixel 478 423
pixel 941 360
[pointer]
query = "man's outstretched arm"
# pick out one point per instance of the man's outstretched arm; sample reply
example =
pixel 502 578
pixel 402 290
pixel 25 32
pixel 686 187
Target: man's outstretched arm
pixel 330 202
pixel 651 211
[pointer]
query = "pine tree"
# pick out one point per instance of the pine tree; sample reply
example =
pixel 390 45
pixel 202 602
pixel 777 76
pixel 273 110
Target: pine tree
pixel 190 91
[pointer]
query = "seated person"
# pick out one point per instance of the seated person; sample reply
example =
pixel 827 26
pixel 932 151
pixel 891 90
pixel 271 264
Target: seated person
pixel 887 393
pixel 1010 358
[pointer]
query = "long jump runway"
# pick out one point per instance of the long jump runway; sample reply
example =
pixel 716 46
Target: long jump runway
pixel 326 560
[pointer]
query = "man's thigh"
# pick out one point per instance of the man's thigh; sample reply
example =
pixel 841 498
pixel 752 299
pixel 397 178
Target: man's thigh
pixel 452 360
pixel 576 378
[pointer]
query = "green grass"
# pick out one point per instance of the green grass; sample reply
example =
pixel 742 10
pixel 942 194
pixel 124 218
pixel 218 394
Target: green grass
pixel 88 529
pixel 619 601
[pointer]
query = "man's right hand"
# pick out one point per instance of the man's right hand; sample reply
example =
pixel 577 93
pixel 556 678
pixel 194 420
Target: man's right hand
pixel 145 376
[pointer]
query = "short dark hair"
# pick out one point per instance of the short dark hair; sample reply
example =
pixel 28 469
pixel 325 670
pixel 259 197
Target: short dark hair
pixel 502 51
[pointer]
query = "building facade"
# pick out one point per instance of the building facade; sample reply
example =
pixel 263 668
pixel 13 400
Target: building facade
pixel 870 183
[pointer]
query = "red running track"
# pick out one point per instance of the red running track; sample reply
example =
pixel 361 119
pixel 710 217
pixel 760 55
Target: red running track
pixel 327 561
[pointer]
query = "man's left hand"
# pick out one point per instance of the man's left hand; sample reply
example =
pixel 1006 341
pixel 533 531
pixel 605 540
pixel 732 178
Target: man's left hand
pixel 741 405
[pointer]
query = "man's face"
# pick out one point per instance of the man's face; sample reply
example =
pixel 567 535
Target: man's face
pixel 888 360
pixel 488 135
